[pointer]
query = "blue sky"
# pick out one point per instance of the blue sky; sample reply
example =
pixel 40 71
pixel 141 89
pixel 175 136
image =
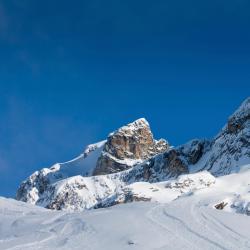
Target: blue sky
pixel 71 72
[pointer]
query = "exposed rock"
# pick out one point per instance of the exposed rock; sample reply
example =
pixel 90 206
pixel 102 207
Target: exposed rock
pixel 173 163
pixel 128 146
pixel 221 205
pixel 130 196
pixel 237 121
pixel 133 141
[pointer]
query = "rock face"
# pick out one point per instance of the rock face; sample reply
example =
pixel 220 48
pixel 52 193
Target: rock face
pixel 128 146
pixel 131 155
pixel 240 119
pixel 169 164
pixel 231 147
pixel 133 141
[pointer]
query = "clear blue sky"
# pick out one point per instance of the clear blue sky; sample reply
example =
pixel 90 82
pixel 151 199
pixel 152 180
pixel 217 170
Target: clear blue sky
pixel 73 71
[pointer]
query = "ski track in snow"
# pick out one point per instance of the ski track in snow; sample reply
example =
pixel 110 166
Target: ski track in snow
pixel 185 223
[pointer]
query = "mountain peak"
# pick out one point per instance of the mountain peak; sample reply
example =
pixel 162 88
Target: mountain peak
pixel 128 146
pixel 139 122
pixel 127 129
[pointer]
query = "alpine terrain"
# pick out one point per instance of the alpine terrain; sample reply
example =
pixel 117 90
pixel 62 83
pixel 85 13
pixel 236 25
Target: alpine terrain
pixel 132 191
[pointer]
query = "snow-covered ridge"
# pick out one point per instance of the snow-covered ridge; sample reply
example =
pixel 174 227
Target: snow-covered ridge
pixel 85 163
pixel 32 188
pixel 131 156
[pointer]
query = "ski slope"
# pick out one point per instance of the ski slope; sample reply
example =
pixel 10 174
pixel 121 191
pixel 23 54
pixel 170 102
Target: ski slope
pixel 190 221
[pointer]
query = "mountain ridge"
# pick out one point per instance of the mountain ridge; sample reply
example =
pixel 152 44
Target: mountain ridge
pixel 131 154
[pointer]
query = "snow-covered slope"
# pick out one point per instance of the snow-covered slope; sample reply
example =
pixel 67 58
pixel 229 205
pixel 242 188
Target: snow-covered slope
pixel 32 188
pixel 182 215
pixel 107 172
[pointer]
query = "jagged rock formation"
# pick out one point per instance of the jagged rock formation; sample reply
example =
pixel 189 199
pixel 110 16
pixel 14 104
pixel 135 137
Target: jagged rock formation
pixel 131 155
pixel 128 146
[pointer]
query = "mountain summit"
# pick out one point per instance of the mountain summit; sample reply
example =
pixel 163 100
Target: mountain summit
pixel 128 146
pixel 103 174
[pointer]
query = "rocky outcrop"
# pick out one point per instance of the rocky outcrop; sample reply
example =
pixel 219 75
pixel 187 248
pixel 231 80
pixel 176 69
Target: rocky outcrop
pixel 127 147
pixel 238 121
pixel 220 206
pixel 169 164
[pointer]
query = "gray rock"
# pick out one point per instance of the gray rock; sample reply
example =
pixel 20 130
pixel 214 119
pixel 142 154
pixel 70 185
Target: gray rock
pixel 127 146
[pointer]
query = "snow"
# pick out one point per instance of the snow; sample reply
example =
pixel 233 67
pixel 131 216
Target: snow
pixel 83 165
pixel 133 126
pixel 181 215
pixel 79 193
pixel 126 161
pixel 167 191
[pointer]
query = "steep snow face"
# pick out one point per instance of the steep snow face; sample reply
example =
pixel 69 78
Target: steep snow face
pixel 38 183
pixel 85 163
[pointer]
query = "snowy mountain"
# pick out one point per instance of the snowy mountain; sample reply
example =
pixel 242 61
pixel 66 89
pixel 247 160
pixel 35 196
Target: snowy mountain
pixel 182 214
pixel 65 185
pixel 109 172
pixel 155 196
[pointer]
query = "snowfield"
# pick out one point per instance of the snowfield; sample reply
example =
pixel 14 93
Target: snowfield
pixel 181 215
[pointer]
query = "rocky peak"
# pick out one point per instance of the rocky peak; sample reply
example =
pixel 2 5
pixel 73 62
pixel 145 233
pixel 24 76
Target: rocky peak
pixel 133 141
pixel 240 117
pixel 128 145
